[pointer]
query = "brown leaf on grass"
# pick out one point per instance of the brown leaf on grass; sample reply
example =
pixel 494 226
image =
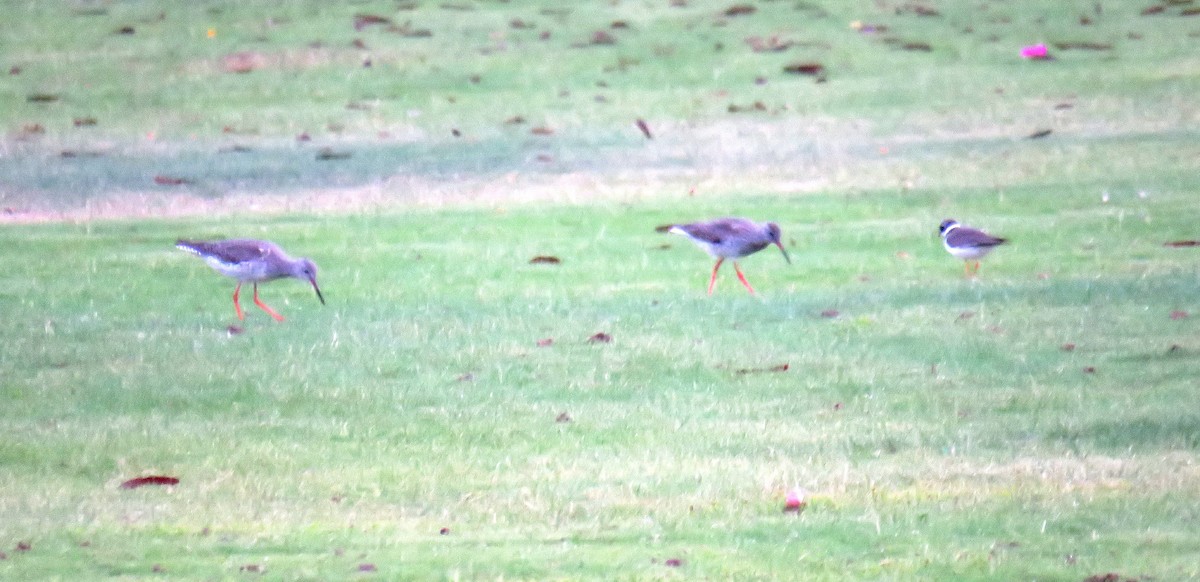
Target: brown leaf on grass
pixel 84 121
pixel 1089 370
pixel 1108 577
pixel 233 330
pixel 79 154
pixel 810 68
pixel 519 24
pixel 164 180
pixel 444 531
pixel 366 567
pixel 362 21
pixel 304 136
pixel 243 62
pixel 514 120
pixel 545 342
pixel 124 30
pixel 1182 243
pixel 252 568
pixel 541 130
pixel 756 106
pixel 918 9
pixel 1155 9
pixel 3 556
pixel 149 480
pixel 673 562
pixel 1193 11
pixel 771 44
pixel 601 37
pixel 544 158
pixel 24 546
pixel 830 313
pixel 1067 347
pixel 641 124
pixel 562 418
pixel 468 377
pixel 43 97
pixel 966 315
pixel 772 369
pixel 1178 315
pixel 917 46
pixel 1039 134
pixel 1087 46
pixel 325 154
pixel 739 10
pixel 14 70
pixel 600 338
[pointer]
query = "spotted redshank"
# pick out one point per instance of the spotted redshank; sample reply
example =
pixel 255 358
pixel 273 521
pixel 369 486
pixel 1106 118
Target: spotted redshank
pixel 731 238
pixel 252 261
pixel 967 243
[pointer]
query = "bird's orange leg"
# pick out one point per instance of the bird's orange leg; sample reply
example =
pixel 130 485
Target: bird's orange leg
pixel 712 281
pixel 263 306
pixel 742 278
pixel 238 306
pixel 976 272
pixel 967 269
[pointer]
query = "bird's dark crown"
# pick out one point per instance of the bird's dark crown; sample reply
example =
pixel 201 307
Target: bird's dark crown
pixel 946 225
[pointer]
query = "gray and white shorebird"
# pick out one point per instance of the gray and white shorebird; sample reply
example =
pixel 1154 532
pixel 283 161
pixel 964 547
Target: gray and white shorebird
pixel 968 244
pixel 731 238
pixel 252 261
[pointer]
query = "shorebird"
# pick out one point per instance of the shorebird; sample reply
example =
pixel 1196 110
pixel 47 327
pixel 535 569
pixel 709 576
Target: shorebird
pixel 967 243
pixel 252 261
pixel 731 238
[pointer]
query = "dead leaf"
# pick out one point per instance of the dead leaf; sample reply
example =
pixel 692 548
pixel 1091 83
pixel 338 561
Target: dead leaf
pixel 325 154
pixel 42 98
pixel 84 121
pixel 772 369
pixel 600 338
pixel 1067 347
pixel 830 313
pixel 641 124
pixel 465 377
pixel 1177 315
pixel 163 180
pixel 562 417
pixel 366 567
pixel 243 62
pixel 1182 243
pixel 1039 134
pixel 814 69
pixel 444 531
pixel 739 10
pixel 149 480
pixel 545 342
pixel 673 562
pixel 541 130
pixel 1089 370
pixel 24 546
pixel 233 330
pixel 252 568
pixel 362 21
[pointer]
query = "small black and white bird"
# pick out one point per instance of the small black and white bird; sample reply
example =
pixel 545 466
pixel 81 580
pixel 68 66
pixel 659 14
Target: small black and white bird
pixel 731 238
pixel 967 243
pixel 252 261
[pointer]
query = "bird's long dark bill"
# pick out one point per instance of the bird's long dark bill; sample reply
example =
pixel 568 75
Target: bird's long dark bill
pixel 784 251
pixel 318 290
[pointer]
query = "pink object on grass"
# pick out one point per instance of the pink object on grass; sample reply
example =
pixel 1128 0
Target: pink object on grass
pixel 1036 51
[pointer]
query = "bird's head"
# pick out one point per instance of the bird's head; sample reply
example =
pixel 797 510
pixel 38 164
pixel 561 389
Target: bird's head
pixel 307 270
pixel 946 225
pixel 776 235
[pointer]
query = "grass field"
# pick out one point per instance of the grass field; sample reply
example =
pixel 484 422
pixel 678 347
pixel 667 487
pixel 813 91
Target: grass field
pixel 448 415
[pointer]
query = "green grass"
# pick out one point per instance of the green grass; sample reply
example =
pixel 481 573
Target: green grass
pixel 1035 423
